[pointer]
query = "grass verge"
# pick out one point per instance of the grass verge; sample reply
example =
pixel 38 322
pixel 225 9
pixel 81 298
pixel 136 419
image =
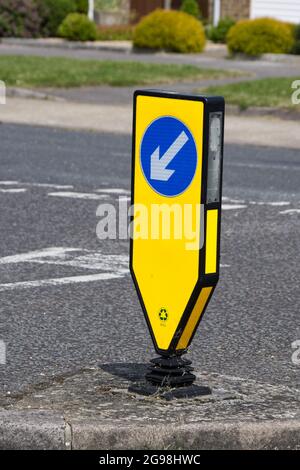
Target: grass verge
pixel 267 92
pixel 33 71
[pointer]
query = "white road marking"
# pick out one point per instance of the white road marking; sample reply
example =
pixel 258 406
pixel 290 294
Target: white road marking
pixel 38 185
pixel 234 201
pixel 264 166
pixel 277 203
pixel 290 211
pixel 224 265
pixel 49 185
pixel 240 203
pixel 227 207
pixel 74 195
pixel 59 281
pixel 13 190
pixel 37 254
pixel 8 183
pixel 258 203
pixel 2 352
pixel 93 260
pixel 113 191
pixel 112 266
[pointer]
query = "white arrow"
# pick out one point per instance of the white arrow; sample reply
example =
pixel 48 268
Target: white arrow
pixel 158 170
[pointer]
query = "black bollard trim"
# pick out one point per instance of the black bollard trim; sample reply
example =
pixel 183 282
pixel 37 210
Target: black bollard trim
pixel 172 371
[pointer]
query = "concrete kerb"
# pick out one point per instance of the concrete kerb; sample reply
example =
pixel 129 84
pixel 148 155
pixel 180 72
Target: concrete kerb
pixel 292 114
pixel 205 436
pixel 272 58
pixel 97 409
pixel 16 92
pixel 38 429
pixel 44 430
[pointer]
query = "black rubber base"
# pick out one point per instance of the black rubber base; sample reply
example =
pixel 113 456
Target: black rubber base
pixel 173 371
pixel 169 393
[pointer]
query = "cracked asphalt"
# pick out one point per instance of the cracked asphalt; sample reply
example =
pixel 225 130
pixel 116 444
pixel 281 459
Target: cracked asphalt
pixel 61 328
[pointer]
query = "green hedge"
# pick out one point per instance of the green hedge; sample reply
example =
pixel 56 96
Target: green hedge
pixel 260 36
pixel 219 33
pixel 191 7
pixel 77 27
pixel 53 12
pixel 296 45
pixel 170 30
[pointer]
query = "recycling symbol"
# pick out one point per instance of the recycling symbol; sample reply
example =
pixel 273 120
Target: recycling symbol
pixel 163 314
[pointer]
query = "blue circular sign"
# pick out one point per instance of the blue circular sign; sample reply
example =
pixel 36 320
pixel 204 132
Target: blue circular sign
pixel 168 156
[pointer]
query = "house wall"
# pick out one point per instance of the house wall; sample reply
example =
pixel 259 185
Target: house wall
pixel 285 10
pixel 203 5
pixel 143 7
pixel 236 9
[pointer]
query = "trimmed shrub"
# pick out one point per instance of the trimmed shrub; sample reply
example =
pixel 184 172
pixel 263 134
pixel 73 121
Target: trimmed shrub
pixel 260 36
pixel 296 46
pixel 191 7
pixel 170 30
pixel 219 33
pixel 19 18
pixel 77 27
pixel 115 33
pixel 53 12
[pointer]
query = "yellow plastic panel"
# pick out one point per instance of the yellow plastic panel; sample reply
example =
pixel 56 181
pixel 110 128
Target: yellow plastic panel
pixel 165 270
pixel 194 318
pixel 211 241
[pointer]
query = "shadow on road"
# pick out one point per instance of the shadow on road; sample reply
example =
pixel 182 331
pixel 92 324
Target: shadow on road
pixel 130 371
pixel 135 373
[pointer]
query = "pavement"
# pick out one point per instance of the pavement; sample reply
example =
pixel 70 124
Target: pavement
pixel 116 46
pixel 257 130
pixel 103 408
pixel 74 332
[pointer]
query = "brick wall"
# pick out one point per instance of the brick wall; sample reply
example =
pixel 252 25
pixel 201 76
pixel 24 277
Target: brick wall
pixel 236 9
pixel 143 7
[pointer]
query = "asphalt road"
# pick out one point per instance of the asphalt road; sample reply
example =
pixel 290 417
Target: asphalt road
pixel 67 300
